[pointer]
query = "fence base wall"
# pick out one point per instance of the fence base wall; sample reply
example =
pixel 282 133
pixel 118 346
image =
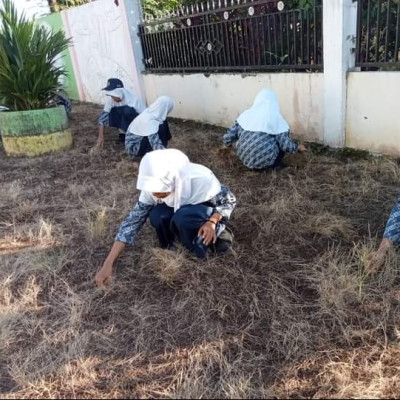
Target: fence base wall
pixel 219 98
pixel 373 112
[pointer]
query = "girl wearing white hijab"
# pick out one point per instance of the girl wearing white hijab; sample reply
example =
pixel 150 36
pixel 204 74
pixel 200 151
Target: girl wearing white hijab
pixel 261 134
pixel 121 108
pixel 184 201
pixel 150 130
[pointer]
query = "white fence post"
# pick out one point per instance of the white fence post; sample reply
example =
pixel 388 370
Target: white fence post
pixel 135 17
pixel 340 29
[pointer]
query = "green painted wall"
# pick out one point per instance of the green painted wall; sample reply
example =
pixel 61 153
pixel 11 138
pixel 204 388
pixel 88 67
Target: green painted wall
pixel 70 85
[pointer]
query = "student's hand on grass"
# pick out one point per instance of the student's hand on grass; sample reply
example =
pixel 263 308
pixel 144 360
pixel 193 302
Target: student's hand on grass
pixel 99 143
pixel 103 277
pixel 208 233
pixel 378 258
pixel 302 148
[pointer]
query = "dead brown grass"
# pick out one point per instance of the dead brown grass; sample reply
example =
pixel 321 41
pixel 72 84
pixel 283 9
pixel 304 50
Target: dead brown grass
pixel 292 312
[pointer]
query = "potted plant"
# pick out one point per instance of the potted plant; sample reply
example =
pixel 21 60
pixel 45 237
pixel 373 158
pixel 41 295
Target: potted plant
pixel 29 81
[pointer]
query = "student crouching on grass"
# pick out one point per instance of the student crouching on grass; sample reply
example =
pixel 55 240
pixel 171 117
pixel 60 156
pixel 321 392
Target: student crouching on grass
pixel 261 134
pixel 149 130
pixel 184 201
pixel 391 238
pixel 121 108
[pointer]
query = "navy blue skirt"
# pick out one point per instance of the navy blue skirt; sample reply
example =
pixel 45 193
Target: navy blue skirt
pixel 121 117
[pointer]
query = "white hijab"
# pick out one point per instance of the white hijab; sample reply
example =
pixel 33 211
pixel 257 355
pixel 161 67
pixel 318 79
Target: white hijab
pixel 128 98
pixel 264 115
pixel 148 122
pixel 170 170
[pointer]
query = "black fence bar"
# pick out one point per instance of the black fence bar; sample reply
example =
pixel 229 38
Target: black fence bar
pixel 396 48
pixel 378 31
pixel 236 36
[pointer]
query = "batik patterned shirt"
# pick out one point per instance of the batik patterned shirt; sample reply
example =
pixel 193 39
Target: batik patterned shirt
pixel 392 231
pixel 224 203
pixel 132 143
pixel 258 150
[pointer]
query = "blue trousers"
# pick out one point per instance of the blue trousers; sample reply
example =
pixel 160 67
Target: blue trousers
pixel 183 225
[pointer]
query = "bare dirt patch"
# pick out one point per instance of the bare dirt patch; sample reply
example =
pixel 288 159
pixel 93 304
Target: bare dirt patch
pixel 291 312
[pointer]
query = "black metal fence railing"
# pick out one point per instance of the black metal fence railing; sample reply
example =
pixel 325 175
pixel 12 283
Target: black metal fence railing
pixel 234 35
pixel 378 34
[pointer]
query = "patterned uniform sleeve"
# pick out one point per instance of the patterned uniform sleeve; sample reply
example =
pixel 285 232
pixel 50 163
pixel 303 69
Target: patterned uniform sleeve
pixel 132 144
pixel 155 142
pixel 133 223
pixel 103 119
pixel 231 135
pixel 224 202
pixel 287 144
pixel 392 231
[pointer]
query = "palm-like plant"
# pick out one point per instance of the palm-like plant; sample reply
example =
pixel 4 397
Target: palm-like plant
pixel 29 77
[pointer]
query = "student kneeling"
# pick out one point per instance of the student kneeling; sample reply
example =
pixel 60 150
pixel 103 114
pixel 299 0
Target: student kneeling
pixel 184 201
pixel 150 130
pixel 121 108
pixel 261 134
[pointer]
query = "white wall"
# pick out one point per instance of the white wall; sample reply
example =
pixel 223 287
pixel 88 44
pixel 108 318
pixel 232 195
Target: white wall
pixel 373 112
pixel 101 48
pixel 220 98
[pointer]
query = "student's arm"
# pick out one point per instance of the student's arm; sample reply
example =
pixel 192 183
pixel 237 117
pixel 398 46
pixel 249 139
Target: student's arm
pixel 224 203
pixel 103 122
pixel 231 135
pixel 155 142
pixel 287 144
pixel 126 236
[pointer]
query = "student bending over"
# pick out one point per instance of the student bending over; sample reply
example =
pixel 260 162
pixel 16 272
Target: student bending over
pixel 184 201
pixel 150 130
pixel 121 108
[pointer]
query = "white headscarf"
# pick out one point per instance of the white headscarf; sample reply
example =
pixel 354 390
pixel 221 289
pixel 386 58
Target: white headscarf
pixel 264 115
pixel 149 120
pixel 128 98
pixel 163 171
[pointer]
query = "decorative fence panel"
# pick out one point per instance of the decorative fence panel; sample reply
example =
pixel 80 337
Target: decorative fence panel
pixel 234 35
pixel 378 34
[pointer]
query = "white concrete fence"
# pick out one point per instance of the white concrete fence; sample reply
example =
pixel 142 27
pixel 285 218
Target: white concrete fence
pixel 339 107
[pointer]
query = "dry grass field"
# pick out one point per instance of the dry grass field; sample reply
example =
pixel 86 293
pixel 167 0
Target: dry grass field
pixel 291 312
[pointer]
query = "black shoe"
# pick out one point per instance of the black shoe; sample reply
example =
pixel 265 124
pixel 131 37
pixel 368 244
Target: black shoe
pixel 224 242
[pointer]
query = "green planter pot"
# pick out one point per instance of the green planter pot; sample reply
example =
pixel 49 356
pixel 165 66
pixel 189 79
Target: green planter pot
pixel 35 132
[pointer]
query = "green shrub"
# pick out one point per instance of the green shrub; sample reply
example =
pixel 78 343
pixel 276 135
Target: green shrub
pixel 29 76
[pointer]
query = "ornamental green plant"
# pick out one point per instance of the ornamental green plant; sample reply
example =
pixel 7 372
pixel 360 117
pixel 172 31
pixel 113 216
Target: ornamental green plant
pixel 29 74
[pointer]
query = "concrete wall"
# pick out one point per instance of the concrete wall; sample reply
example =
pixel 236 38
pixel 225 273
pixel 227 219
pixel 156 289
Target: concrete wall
pixel 220 98
pixel 102 48
pixel 373 112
